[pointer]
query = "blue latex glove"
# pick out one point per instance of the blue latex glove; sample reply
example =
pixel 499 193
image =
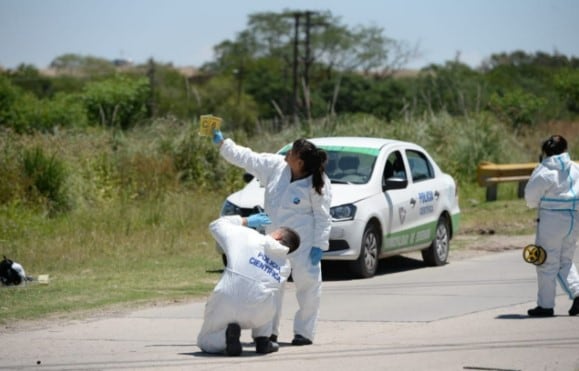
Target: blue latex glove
pixel 258 220
pixel 217 136
pixel 316 255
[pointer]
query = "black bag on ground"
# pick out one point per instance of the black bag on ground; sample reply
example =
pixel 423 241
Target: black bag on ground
pixel 8 275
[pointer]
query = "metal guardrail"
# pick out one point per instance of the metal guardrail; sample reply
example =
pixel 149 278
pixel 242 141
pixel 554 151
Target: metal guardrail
pixel 489 175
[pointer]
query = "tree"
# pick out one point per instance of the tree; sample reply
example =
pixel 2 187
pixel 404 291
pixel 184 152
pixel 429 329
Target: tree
pixel 172 93
pixel 532 73
pixel 29 79
pixel 567 85
pixel 75 64
pixel 119 102
pixel 454 88
pixel 9 96
pixel 516 107
pixel 24 112
pixel 219 97
pixel 324 45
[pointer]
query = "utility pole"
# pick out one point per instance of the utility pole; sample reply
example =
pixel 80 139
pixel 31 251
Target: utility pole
pixel 307 60
pixel 151 103
pixel 295 67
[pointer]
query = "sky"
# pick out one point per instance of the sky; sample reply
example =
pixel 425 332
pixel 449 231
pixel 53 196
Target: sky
pixel 184 32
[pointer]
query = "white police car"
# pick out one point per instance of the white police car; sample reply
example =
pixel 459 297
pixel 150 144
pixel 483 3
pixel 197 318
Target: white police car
pixel 388 197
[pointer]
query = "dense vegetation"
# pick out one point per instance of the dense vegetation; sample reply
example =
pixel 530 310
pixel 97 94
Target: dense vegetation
pixel 103 170
pixel 117 217
pixel 266 78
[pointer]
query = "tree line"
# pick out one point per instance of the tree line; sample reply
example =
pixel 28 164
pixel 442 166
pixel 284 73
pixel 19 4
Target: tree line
pixel 285 68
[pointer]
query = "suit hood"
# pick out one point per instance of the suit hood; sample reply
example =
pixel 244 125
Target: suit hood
pixel 560 162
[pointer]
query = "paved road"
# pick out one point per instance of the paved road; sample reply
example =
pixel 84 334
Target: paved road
pixel 467 315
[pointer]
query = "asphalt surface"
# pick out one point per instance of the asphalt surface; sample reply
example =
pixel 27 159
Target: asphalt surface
pixel 467 315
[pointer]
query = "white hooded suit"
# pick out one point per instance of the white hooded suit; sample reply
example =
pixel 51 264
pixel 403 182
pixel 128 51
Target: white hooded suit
pixel 296 205
pixel 246 293
pixel 554 188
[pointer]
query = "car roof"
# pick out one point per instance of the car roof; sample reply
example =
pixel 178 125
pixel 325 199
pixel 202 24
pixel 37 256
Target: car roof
pixel 364 142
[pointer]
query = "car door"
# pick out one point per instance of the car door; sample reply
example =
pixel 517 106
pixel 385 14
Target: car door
pixel 423 212
pixel 398 229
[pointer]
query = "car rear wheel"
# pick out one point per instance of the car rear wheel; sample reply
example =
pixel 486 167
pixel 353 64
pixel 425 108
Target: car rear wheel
pixel 437 253
pixel 367 263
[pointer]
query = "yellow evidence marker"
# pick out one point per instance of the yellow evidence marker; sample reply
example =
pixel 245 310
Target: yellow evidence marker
pixel 207 123
pixel 534 254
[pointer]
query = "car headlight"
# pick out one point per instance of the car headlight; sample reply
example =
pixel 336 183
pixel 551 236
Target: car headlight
pixel 343 212
pixel 229 208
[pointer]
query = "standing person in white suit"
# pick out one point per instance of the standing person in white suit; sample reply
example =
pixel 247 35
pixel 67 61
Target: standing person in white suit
pixel 554 188
pixel 245 296
pixel 297 195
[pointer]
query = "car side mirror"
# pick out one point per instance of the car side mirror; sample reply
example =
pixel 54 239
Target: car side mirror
pixel 394 183
pixel 247 177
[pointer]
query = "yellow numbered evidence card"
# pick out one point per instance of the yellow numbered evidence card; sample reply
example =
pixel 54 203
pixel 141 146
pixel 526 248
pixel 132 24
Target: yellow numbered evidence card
pixel 208 123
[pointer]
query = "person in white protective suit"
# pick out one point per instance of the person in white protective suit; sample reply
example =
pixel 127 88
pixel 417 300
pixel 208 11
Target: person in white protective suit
pixel 553 188
pixel 297 195
pixel 244 297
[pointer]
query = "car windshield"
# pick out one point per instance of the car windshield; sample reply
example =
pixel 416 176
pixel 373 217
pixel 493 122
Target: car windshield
pixel 348 165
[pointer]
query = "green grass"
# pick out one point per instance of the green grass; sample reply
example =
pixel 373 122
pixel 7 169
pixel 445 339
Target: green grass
pixel 137 281
pixel 131 253
pixel 509 215
pixel 500 217
pixel 160 250
pixel 137 228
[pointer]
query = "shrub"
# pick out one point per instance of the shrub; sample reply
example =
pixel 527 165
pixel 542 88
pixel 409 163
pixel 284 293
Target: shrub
pixel 45 178
pixel 516 107
pixel 221 97
pixel 145 175
pixel 11 179
pixel 63 111
pixel 567 85
pixel 23 112
pixel 197 163
pixel 119 102
pixel 9 96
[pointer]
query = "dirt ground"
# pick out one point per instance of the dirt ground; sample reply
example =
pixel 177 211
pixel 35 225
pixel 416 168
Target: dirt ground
pixel 466 246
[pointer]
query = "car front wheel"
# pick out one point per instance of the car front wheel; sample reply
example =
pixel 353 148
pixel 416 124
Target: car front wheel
pixel 367 263
pixel 437 253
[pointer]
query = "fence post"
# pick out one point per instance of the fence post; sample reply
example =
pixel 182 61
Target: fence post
pixel 521 189
pixel 492 192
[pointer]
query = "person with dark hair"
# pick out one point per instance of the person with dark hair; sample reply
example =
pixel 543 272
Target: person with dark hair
pixel 245 296
pixel 553 188
pixel 298 195
pixel 555 145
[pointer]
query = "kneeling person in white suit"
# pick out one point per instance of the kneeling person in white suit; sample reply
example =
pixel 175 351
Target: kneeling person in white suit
pixel 245 296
